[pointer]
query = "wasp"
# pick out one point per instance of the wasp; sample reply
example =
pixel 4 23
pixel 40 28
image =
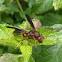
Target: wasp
pixel 33 34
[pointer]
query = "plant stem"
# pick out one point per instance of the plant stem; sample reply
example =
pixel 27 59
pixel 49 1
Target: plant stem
pixel 19 5
pixel 0 17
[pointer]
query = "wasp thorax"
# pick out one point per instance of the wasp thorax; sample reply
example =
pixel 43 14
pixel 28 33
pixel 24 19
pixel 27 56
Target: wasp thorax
pixel 36 34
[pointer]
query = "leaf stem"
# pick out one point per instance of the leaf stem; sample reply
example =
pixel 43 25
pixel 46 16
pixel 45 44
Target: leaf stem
pixel 19 5
pixel 0 17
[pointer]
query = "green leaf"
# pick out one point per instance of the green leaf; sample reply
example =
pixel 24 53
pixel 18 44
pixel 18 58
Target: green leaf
pixel 12 6
pixel 57 4
pixel 39 1
pixel 50 19
pixel 21 59
pixel 31 59
pixel 42 7
pixel 1 51
pixel 6 19
pixel 1 1
pixel 25 25
pixel 50 37
pixel 6 36
pixel 7 57
pixel 2 7
pixel 50 54
pixel 26 52
pixel 27 11
pixel 31 3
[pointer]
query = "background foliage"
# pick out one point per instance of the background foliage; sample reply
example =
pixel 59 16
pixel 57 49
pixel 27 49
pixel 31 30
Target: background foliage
pixel 12 13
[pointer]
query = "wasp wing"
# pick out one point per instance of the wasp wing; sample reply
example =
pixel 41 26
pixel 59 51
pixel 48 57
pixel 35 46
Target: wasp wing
pixel 30 21
pixel 18 31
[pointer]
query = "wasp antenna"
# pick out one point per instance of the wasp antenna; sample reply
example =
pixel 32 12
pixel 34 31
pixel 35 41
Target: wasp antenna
pixel 13 27
pixel 9 27
pixel 30 21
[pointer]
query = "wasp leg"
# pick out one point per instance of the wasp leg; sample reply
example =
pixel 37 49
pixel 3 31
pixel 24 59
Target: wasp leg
pixel 7 37
pixel 19 43
pixel 35 42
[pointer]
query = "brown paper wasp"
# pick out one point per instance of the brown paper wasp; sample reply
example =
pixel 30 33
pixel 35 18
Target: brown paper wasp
pixel 33 34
